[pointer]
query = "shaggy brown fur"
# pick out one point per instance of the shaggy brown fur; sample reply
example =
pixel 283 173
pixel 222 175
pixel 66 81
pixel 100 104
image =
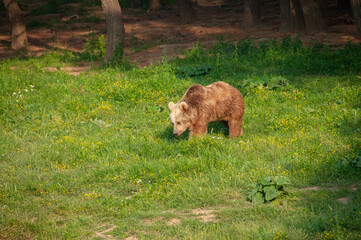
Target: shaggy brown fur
pixel 203 104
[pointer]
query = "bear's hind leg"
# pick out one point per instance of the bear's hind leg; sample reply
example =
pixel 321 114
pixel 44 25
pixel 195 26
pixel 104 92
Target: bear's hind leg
pixel 235 128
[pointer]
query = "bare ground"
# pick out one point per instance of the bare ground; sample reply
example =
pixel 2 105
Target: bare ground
pixel 151 35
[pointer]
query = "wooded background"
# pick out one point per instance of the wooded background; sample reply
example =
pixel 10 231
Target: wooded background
pixel 304 16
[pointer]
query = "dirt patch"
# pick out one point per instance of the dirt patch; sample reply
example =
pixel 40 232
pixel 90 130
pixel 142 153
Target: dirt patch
pixel 72 70
pixel 200 211
pixel 147 222
pixel 314 188
pixel 353 187
pixel 150 222
pixel 50 69
pixel 169 211
pixel 75 70
pixel 343 200
pixel 205 215
pixel 207 218
pixel 173 222
pixel 13 68
pixel 103 234
pixel 131 238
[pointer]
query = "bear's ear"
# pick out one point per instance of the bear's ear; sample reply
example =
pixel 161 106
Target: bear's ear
pixel 171 105
pixel 183 106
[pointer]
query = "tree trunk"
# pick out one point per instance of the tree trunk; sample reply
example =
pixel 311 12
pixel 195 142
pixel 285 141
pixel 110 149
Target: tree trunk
pixel 252 13
pixel 186 11
pixel 356 10
pixel 115 30
pixel 291 16
pixel 313 17
pixel 19 39
pixel 154 5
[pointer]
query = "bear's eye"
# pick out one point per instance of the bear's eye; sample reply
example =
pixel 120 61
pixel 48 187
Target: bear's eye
pixel 178 123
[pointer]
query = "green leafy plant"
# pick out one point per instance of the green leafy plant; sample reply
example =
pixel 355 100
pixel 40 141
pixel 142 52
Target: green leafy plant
pixel 226 48
pixel 267 189
pixel 193 70
pixel 351 161
pixel 94 48
pixel 223 47
pixel 276 82
pixel 118 54
pixel 245 46
pixel 269 83
pixel 289 43
pixel 195 51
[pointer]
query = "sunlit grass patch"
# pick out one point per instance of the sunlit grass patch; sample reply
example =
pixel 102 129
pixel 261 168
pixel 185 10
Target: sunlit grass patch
pixel 78 152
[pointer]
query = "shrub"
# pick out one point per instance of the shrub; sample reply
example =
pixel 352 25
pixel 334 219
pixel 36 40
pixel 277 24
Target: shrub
pixel 267 189
pixel 94 48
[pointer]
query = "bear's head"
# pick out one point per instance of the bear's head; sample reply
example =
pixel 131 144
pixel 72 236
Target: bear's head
pixel 180 117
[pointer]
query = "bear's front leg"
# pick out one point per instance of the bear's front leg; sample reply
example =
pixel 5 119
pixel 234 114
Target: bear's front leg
pixel 198 130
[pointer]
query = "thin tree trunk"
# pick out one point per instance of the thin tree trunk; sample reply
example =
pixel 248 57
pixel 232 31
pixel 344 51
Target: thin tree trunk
pixel 313 17
pixel 291 16
pixel 252 13
pixel 356 10
pixel 19 39
pixel 115 30
pixel 186 11
pixel 154 5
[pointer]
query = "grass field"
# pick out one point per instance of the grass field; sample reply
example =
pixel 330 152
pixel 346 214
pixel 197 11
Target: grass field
pixel 93 156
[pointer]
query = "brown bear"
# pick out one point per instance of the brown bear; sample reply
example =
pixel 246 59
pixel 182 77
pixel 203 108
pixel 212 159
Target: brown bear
pixel 200 105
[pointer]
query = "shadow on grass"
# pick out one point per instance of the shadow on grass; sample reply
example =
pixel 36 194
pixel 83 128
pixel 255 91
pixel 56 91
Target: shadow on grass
pixel 213 128
pixel 331 211
pixel 168 135
pixel 218 128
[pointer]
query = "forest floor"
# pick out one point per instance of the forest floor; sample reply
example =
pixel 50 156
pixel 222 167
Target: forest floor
pixel 152 35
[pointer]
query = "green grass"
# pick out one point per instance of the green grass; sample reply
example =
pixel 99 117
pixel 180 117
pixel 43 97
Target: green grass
pixel 82 154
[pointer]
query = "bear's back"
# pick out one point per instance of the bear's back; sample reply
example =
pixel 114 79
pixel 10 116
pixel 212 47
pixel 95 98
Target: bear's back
pixel 212 95
pixel 194 95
